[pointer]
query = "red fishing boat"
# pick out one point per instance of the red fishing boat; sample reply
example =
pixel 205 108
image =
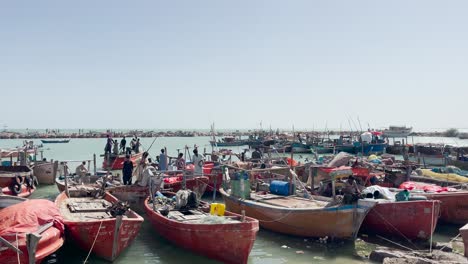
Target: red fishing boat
pixel 229 242
pixel 103 225
pixel 24 193
pixel 454 203
pixel 115 162
pixel 29 226
pixel 406 219
pixel 197 184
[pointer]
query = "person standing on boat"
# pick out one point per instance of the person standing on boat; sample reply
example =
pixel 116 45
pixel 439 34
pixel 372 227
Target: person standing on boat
pixel 198 161
pixel 162 161
pixel 115 150
pixel 180 162
pixel 81 172
pixel 256 155
pixel 141 166
pixel 123 142
pixel 137 146
pixel 351 190
pixel 108 148
pixel 127 171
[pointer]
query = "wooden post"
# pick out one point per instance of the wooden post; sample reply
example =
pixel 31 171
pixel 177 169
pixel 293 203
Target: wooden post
pixel 242 215
pixel 291 176
pixel 184 180
pixel 214 187
pixel 66 179
pixel 31 243
pixel 118 225
pixel 94 164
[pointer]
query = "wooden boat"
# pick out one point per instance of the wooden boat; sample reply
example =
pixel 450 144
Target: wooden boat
pixel 298 147
pixel 60 181
pixel 116 161
pixel 44 240
pixel 92 224
pixel 454 206
pixel 15 152
pixel 414 220
pixel 10 174
pixel 55 141
pixel 25 191
pixel 228 242
pixel 46 172
pixel 293 215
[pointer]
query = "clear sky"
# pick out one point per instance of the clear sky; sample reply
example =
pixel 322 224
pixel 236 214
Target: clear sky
pixel 185 64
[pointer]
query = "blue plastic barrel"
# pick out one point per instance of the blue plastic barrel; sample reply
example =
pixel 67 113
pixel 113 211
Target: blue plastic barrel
pixel 279 188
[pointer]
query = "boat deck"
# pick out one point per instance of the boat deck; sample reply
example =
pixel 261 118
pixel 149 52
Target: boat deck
pixel 85 209
pixel 287 201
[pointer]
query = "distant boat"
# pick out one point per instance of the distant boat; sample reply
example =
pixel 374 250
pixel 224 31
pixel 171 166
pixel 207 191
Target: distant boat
pixel 397 132
pixel 228 141
pixel 51 141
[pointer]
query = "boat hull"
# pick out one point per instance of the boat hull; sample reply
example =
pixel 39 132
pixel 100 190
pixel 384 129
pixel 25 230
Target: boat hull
pixel 454 206
pixel 84 233
pixel 406 220
pixel 341 222
pixel 229 243
pixel 117 162
pixel 46 172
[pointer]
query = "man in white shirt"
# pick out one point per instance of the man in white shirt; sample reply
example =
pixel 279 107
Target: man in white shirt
pixel 198 160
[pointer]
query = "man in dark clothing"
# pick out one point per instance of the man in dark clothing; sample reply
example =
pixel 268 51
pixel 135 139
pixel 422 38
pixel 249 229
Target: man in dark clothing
pixel 109 143
pixel 127 170
pixel 256 155
pixel 123 142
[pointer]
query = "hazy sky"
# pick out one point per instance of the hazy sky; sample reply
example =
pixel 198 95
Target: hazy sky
pixel 185 64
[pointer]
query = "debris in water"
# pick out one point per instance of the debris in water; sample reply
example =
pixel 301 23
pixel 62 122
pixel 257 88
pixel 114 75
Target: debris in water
pixel 299 252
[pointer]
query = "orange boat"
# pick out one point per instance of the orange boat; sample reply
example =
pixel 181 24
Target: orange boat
pixel 229 242
pixel 96 224
pixel 35 221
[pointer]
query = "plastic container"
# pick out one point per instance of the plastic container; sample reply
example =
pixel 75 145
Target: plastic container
pixel 240 188
pixel 279 188
pixel 217 209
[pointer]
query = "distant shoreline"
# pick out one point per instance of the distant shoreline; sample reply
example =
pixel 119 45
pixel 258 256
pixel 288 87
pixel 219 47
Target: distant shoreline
pixel 44 134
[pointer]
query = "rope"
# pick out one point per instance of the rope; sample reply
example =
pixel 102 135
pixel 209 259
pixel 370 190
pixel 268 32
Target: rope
pixel 453 239
pixel 92 246
pixel 396 229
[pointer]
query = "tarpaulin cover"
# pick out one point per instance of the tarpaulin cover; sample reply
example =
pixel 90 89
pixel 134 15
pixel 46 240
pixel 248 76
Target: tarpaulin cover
pixel 28 216
pixel 425 187
pixel 173 179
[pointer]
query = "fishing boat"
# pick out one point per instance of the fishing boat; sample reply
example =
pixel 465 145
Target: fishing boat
pixel 31 231
pixel 298 147
pixel 227 238
pixel 414 220
pixel 15 152
pixel 294 215
pixel 45 171
pixel 55 141
pixel 454 206
pixel 17 181
pixel 115 162
pixel 10 174
pixel 397 131
pixel 103 225
pixel 228 141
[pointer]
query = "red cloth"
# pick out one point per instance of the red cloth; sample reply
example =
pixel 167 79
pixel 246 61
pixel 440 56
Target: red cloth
pixel 425 187
pixel 173 179
pixel 28 216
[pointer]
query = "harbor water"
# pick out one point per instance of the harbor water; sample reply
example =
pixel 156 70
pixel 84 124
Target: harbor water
pixel 150 248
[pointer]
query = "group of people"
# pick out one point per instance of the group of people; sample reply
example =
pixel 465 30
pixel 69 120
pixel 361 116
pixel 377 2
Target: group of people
pixel 113 146
pixel 147 168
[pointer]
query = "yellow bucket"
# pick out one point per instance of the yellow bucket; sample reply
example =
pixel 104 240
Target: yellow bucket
pixel 217 209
